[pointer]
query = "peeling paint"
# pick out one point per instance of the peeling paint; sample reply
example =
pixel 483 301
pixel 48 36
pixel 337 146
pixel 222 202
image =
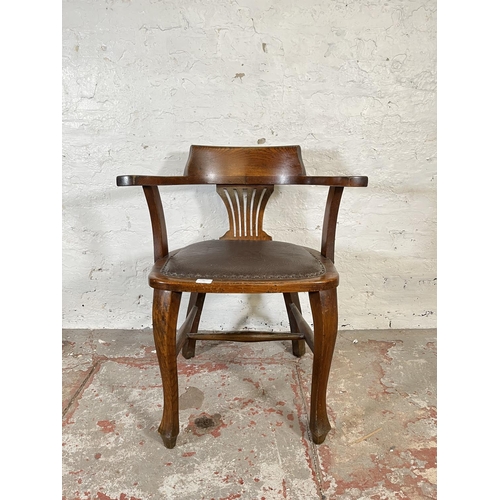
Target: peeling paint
pixel 250 436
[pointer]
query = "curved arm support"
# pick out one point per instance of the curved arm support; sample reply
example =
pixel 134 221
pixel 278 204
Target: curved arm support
pixel 160 239
pixel 330 222
pixel 150 186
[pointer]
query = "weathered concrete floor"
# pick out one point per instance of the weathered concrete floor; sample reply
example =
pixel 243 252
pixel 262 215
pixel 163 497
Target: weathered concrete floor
pixel 244 413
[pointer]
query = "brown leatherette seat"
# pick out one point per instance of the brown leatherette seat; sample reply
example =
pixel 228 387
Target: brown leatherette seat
pixel 243 260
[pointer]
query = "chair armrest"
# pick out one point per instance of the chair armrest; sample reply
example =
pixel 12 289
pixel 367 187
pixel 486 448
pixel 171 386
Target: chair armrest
pixel 332 181
pixel 152 180
pixel 311 180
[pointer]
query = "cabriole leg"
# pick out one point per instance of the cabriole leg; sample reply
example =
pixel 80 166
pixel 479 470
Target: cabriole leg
pixel 165 311
pixel 198 299
pixel 325 319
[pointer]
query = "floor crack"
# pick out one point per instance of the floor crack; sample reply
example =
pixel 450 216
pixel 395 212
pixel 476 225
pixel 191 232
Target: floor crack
pixel 313 447
pixel 77 393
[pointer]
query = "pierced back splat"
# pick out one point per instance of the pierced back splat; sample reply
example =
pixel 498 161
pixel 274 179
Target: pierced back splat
pixel 245 209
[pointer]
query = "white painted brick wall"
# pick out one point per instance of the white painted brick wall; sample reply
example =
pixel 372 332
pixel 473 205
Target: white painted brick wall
pixel 352 82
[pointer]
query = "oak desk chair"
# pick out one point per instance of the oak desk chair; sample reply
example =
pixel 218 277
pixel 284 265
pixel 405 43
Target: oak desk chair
pixel 244 260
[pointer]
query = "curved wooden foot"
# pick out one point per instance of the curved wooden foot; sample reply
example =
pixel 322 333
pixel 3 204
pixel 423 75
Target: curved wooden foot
pixel 168 441
pixel 298 346
pixel 319 435
pixel 165 311
pixel 325 319
pixel 195 299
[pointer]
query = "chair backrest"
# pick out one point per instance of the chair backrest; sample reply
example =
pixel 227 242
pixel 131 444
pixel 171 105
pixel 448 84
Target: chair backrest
pixel 245 204
pixel 207 163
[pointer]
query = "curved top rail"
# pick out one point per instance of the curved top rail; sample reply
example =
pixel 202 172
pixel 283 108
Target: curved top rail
pixel 207 162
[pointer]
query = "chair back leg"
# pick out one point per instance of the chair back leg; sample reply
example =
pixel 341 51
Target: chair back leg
pixel 298 346
pixel 195 299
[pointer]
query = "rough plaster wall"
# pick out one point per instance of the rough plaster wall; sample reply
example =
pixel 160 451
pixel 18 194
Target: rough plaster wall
pixel 352 82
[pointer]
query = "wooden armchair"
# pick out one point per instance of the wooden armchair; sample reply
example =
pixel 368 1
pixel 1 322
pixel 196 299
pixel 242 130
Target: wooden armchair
pixel 243 260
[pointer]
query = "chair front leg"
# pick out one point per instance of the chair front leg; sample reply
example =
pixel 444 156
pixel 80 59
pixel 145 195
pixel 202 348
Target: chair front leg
pixel 165 311
pixel 325 319
pixel 197 299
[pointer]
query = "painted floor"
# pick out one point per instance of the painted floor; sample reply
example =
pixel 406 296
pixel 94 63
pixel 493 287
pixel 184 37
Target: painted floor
pixel 244 420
